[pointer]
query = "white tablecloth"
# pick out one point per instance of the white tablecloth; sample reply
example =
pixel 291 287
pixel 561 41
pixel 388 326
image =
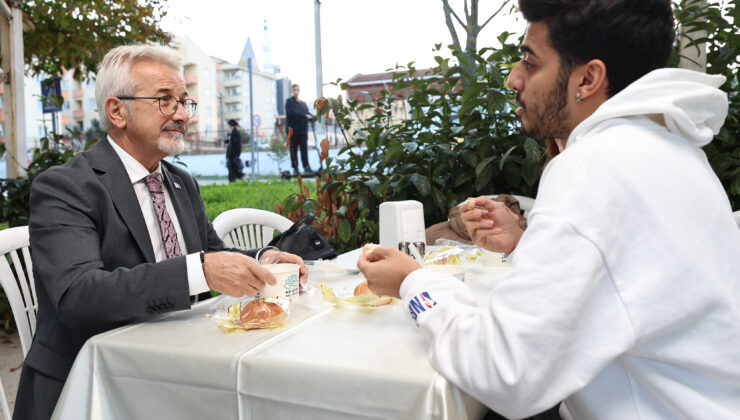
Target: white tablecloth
pixel 327 363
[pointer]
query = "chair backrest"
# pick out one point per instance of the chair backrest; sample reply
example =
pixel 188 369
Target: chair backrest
pixel 16 278
pixel 525 203
pixel 249 228
pixel 737 217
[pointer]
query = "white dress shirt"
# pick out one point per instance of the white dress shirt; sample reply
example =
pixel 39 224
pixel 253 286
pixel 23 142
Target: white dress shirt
pixel 137 172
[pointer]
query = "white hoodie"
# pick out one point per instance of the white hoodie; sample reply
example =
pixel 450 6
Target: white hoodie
pixel 624 294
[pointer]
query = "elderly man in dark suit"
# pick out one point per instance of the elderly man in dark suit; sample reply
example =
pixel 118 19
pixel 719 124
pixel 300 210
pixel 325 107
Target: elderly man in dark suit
pixel 117 234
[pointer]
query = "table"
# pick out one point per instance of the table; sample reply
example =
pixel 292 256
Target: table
pixel 326 363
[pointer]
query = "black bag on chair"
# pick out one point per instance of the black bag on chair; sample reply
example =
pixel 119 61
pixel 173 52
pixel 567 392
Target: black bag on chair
pixel 304 240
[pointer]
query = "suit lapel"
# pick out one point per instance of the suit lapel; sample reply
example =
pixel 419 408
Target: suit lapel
pixel 183 209
pixel 112 174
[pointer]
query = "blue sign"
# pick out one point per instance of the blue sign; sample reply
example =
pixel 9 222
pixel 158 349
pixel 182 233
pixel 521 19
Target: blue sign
pixel 51 88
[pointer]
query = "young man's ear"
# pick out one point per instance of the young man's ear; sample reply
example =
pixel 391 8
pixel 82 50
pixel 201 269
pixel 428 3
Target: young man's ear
pixel 117 112
pixel 592 81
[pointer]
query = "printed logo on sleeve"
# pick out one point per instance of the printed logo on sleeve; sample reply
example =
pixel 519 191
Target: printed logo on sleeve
pixel 421 303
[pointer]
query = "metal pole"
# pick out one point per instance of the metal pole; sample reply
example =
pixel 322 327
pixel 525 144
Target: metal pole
pixel 251 116
pixel 317 40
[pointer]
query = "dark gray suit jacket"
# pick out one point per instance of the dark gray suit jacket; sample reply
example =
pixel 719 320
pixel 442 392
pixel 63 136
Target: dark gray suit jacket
pixel 93 262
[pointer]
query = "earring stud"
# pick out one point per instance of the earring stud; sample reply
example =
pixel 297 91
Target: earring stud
pixel 578 97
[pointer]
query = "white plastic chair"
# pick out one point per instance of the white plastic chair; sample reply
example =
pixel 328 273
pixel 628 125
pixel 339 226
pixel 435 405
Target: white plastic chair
pixel 16 278
pixel 525 203
pixel 249 228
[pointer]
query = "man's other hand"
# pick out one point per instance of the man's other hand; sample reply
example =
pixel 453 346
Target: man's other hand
pixel 491 224
pixel 385 269
pixel 235 274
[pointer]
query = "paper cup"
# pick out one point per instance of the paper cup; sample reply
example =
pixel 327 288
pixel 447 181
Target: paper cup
pixel 494 259
pixel 456 271
pixel 287 276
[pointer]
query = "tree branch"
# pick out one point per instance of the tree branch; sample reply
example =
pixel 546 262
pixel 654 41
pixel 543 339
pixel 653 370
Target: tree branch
pixel 450 25
pixel 493 15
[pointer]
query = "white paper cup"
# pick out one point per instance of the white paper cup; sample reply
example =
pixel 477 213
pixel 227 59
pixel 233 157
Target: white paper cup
pixel 494 259
pixel 457 271
pixel 287 276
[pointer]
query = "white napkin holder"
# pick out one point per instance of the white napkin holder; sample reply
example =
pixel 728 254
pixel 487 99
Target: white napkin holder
pixel 401 221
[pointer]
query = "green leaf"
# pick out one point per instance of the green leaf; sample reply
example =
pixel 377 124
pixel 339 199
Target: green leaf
pixel 393 152
pixel 512 174
pixel 342 211
pixel 483 179
pixel 485 163
pixel 470 157
pixel 506 156
pixel 532 149
pixel 344 231
pixel 410 146
pixel 422 184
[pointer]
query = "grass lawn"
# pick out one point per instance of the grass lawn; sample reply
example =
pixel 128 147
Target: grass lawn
pixel 257 195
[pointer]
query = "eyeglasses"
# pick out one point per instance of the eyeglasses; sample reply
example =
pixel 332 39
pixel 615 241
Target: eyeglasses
pixel 168 104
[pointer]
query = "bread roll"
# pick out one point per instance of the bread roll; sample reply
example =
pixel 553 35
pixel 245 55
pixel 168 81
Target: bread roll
pixel 261 314
pixel 368 249
pixel 364 289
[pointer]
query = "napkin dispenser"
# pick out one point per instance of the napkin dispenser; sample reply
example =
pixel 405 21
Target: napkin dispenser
pixel 401 221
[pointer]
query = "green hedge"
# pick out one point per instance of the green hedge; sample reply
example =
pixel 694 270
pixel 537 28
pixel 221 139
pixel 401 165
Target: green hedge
pixel 258 195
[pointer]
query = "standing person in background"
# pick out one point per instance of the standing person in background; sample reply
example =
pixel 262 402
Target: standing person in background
pixel 233 153
pixel 297 117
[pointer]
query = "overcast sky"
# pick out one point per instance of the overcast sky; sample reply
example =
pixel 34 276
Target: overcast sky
pixel 358 36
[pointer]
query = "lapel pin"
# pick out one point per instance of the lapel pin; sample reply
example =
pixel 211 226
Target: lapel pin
pixel 177 186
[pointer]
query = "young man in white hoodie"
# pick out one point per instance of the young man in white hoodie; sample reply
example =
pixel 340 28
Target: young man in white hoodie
pixel 623 300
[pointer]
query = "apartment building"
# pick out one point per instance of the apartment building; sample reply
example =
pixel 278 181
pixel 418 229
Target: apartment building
pixel 201 81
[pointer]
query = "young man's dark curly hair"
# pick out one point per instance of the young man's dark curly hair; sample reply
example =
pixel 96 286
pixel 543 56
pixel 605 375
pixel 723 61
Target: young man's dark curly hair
pixel 631 37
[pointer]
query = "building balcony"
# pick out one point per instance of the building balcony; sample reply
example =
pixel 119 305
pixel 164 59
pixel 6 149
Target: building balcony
pixel 77 93
pixel 191 79
pixel 78 115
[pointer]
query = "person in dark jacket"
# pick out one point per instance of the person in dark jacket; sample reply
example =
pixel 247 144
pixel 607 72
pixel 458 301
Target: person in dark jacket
pixel 297 117
pixel 233 153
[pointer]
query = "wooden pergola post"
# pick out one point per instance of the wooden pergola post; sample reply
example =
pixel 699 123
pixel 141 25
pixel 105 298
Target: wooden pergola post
pixel 11 48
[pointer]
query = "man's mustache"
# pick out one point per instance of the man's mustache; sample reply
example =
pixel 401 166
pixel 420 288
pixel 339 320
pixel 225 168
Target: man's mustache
pixel 519 100
pixel 174 126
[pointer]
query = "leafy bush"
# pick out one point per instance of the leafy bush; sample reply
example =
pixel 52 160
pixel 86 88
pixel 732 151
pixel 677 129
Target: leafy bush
pixel 455 143
pixel 720 23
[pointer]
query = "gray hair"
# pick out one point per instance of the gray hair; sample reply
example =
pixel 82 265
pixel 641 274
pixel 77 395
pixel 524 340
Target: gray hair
pixel 114 73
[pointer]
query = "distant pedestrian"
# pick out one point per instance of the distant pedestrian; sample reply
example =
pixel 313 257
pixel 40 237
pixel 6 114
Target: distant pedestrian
pixel 233 153
pixel 297 117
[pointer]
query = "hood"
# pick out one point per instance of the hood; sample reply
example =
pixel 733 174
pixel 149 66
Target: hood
pixel 690 103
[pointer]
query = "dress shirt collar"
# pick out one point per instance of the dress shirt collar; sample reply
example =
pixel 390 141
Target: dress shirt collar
pixel 135 170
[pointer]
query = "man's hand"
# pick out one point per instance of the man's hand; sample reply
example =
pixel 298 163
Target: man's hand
pixel 385 269
pixel 272 256
pixel 491 224
pixel 235 274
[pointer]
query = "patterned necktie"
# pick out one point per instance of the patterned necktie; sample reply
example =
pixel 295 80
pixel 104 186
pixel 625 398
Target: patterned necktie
pixel 166 227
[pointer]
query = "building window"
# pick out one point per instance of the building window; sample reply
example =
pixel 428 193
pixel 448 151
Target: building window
pixel 65 84
pixel 234 107
pixel 209 111
pixel 2 130
pixel 233 91
pixel 40 105
pixel 42 131
pixel 91 103
pixel 66 106
pixel 206 74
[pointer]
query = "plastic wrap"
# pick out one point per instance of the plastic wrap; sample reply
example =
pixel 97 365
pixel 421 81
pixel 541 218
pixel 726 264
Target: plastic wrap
pixel 239 314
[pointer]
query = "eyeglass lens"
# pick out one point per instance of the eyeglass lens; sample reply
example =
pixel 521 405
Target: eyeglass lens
pixel 168 106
